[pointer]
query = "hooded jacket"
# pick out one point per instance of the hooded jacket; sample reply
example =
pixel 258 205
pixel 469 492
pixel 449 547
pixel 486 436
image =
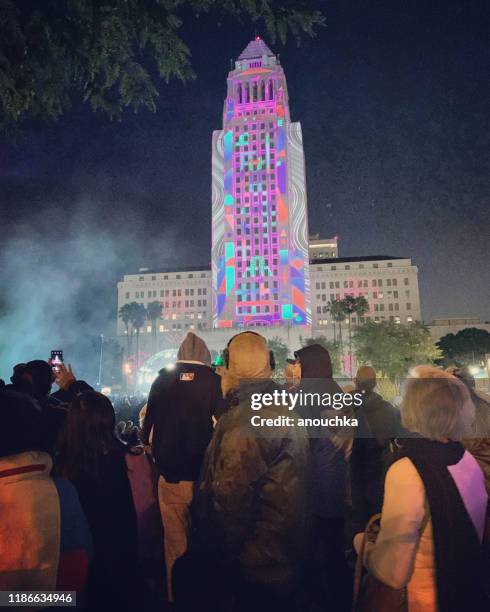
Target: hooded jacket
pixel 180 408
pixel 328 463
pixel 316 374
pixel 250 502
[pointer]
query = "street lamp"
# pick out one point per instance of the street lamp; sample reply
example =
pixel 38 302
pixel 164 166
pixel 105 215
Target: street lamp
pixel 99 381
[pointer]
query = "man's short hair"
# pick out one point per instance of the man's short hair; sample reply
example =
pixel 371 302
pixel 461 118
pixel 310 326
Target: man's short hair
pixel 366 378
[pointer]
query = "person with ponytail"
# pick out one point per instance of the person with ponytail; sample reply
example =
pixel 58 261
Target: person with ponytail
pixel 94 460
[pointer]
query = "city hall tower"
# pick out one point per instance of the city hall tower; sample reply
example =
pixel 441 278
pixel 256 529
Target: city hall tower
pixel 260 269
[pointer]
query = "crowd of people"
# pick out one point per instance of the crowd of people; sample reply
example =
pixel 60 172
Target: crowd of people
pixel 188 510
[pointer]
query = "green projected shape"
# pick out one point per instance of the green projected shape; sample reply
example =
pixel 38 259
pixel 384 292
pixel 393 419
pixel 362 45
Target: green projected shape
pixel 257 266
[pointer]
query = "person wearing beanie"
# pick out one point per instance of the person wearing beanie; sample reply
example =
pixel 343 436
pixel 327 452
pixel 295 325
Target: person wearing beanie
pixel 178 422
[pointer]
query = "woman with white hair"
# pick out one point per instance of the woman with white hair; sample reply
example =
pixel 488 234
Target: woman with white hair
pixel 433 516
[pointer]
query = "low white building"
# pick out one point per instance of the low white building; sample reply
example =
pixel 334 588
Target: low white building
pixel 185 296
pixel 454 324
pixel 389 284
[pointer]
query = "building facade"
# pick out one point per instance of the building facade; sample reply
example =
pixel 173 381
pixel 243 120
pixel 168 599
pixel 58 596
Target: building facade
pixel 185 296
pixel 389 284
pixel 260 262
pixel 452 325
pixel 264 270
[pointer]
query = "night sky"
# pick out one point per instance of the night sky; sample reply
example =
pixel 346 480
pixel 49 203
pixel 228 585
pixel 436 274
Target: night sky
pixel 393 98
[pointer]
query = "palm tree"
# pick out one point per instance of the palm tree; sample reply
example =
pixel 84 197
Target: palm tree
pixel 125 314
pixel 154 312
pixel 348 307
pixel 329 309
pixel 361 307
pixel 138 317
pixel 353 305
pixel 337 313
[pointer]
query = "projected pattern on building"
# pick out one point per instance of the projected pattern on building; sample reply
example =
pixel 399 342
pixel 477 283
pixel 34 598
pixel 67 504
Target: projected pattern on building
pixel 260 234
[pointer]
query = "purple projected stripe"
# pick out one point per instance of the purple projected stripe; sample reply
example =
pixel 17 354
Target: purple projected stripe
pixel 281 178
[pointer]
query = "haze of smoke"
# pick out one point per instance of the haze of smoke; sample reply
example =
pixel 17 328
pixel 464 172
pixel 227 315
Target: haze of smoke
pixel 58 282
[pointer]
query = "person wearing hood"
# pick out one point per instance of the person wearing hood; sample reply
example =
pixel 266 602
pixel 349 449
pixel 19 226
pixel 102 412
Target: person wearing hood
pixel 328 482
pixel 179 424
pixel 250 506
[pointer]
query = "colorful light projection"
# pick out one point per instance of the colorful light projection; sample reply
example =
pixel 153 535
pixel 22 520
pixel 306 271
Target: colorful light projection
pixel 260 235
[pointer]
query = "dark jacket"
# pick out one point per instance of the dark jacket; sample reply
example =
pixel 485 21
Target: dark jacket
pixel 181 404
pixel 65 396
pixel 371 456
pixel 250 503
pixel 328 463
pixel 53 407
pixel 383 419
pixel 107 501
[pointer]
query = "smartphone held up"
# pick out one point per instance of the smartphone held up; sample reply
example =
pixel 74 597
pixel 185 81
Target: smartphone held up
pixel 56 361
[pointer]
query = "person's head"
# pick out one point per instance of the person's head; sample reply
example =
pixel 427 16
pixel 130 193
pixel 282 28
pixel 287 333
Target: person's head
pixel 89 433
pixel 17 377
pixel 21 427
pixel 436 405
pixel 39 376
pixel 194 348
pixel 365 379
pixel 246 357
pixel 313 361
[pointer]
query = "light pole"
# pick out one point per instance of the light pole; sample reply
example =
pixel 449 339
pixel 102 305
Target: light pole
pixel 99 382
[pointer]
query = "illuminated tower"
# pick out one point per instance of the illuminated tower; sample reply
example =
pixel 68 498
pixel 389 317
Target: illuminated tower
pixel 260 263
